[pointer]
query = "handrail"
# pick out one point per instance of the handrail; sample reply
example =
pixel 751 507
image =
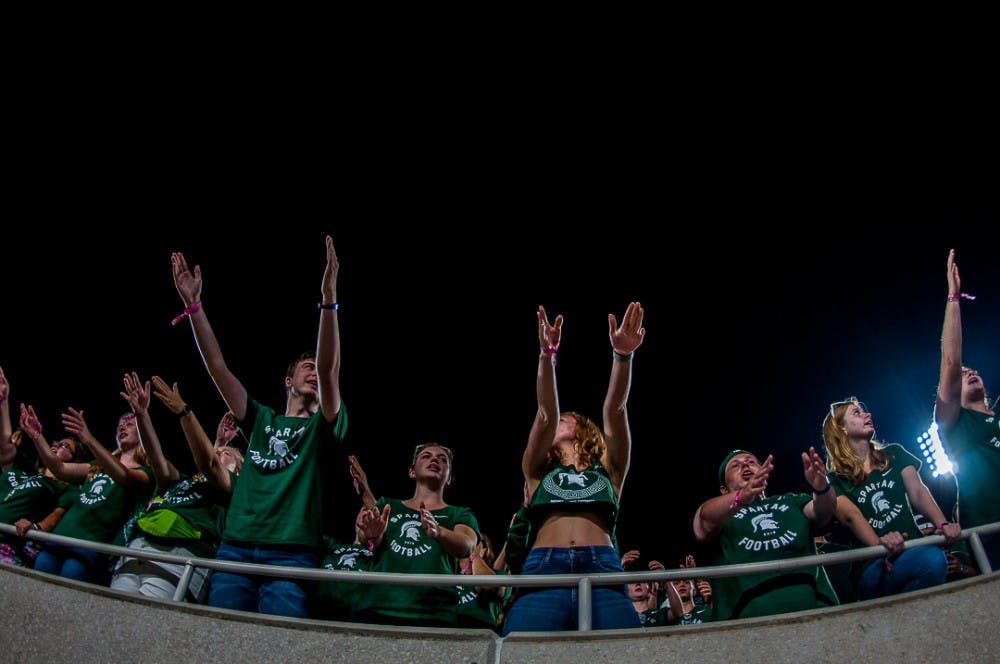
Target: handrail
pixel 582 581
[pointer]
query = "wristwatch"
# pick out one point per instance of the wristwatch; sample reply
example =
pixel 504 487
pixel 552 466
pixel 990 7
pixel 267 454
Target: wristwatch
pixel 186 410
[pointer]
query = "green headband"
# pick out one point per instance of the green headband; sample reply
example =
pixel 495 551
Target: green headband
pixel 722 466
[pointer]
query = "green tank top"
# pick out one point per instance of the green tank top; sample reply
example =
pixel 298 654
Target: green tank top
pixel 563 488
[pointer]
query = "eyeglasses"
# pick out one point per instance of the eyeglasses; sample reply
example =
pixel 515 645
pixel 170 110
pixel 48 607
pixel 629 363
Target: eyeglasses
pixel 419 448
pixel 848 400
pixel 61 443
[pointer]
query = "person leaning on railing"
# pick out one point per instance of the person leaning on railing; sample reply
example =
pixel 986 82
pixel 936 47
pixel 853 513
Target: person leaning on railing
pixel 742 525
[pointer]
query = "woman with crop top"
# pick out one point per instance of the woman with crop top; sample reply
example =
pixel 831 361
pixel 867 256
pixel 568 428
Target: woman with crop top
pixel 574 474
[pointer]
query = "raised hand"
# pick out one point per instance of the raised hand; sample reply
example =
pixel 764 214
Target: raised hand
pixel 629 335
pixel 226 430
pixel 814 470
pixel 371 524
pixel 630 557
pixel 4 387
pixel 329 287
pixel 136 394
pixel 29 422
pixel 431 526
pixel 704 589
pixel 74 423
pixel 549 336
pixel 188 283
pixel 169 395
pixel 360 480
pixel 758 482
pixel 954 281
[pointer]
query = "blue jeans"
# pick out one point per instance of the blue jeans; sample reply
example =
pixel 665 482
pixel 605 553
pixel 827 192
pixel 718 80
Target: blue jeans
pixel 555 609
pixel 922 567
pixel 263 594
pixel 72 562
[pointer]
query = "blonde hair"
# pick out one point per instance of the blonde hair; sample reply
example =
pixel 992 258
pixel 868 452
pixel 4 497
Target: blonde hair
pixel 840 458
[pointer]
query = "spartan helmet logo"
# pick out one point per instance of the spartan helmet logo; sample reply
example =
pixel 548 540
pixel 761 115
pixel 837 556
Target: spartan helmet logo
pixel 277 447
pixel 97 488
pixel 578 479
pixel 764 522
pixel 880 503
pixel 410 530
pixel 348 560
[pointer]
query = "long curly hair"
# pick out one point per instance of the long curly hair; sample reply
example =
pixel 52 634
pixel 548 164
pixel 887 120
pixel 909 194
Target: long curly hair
pixel 589 441
pixel 840 458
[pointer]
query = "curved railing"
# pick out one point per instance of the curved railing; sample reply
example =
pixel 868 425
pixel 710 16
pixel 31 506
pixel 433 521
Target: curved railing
pixel 584 582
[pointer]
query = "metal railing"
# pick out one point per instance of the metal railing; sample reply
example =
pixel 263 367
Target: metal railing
pixel 584 582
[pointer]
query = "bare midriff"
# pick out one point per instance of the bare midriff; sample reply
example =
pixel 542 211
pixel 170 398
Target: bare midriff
pixel 565 529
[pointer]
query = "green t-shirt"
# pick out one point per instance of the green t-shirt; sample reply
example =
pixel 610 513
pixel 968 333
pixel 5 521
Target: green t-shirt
pixel 278 500
pixel 517 540
pixel 101 509
pixel 700 613
pixel 408 549
pixel 770 528
pixel 478 609
pixel 30 496
pixel 336 600
pixel 882 497
pixel 199 504
pixel 974 445
pixel 563 488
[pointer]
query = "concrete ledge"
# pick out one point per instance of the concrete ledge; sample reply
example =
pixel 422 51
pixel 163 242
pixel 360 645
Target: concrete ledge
pixel 48 619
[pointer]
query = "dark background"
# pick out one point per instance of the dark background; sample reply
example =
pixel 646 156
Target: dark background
pixel 758 316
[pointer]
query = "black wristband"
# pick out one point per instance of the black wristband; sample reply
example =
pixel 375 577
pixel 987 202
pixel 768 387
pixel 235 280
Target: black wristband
pixel 825 489
pixel 186 410
pixel 333 306
pixel 620 357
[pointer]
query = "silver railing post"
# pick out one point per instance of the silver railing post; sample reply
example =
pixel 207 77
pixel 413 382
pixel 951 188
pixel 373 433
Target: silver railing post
pixel 584 603
pixel 185 581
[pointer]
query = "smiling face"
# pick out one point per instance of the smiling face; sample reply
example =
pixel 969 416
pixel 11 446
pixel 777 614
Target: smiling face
pixel 64 449
pixel 302 381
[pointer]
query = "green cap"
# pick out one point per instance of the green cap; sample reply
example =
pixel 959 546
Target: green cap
pixel 722 466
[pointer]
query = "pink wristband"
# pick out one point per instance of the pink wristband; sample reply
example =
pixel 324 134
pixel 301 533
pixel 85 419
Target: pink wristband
pixel 2 399
pixel 954 297
pixel 187 312
pixel 736 501
pixel 550 350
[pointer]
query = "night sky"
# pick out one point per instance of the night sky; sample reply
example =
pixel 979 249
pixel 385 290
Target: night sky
pixel 750 333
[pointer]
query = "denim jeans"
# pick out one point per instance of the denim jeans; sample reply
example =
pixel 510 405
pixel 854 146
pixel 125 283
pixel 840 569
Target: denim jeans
pixel 922 567
pixel 263 594
pixel 72 562
pixel 555 609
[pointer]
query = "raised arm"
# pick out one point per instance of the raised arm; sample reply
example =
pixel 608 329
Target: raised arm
pixel 74 473
pixel 188 285
pixel 130 478
pixel 202 449
pixel 716 512
pixel 543 429
pixel 360 480
pixel 949 393
pixel 137 396
pixel 823 506
pixel 625 339
pixel 5 427
pixel 328 339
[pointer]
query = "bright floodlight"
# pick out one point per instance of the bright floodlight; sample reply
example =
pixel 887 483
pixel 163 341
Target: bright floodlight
pixel 930 444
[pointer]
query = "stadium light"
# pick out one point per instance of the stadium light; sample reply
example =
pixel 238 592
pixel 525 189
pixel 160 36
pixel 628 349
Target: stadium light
pixel 933 451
